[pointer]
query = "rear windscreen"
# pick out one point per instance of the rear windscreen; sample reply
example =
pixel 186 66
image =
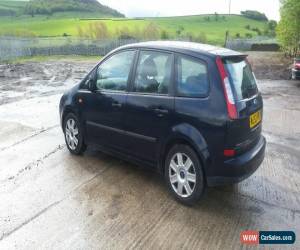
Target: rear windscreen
pixel 241 77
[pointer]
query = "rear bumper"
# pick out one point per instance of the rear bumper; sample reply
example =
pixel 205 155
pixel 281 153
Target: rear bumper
pixel 241 167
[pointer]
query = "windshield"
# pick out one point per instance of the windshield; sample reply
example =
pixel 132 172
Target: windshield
pixel 241 77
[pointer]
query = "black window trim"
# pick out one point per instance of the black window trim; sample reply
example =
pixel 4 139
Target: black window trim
pixel 197 59
pixel 130 71
pixel 132 80
pixel 82 85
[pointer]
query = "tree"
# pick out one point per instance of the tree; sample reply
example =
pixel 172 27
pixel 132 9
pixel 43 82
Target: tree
pixel 248 27
pixel 272 24
pixel 256 15
pixel 80 31
pixel 216 16
pixel 125 33
pixel 151 31
pixel 288 28
pixel 206 18
pixel 270 29
pixel 164 35
pixel 96 30
pixel 201 38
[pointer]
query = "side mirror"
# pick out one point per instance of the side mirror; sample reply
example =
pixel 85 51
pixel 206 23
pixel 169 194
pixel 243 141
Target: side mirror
pixel 91 85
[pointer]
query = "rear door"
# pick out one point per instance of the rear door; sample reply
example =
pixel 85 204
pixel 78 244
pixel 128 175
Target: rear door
pixel 149 104
pixel 243 132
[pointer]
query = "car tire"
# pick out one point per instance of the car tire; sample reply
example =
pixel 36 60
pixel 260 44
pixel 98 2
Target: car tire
pixel 184 174
pixel 73 134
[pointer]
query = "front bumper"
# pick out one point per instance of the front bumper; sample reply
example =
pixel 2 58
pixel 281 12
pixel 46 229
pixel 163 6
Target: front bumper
pixel 296 73
pixel 241 167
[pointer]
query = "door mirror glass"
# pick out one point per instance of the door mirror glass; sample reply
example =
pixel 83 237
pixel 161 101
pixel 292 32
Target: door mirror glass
pixel 91 84
pixel 89 81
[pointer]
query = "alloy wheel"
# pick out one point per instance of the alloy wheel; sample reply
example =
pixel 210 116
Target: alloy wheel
pixel 71 132
pixel 182 175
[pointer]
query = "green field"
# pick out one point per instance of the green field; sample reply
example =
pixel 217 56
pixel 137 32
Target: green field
pixel 68 23
pixel 58 25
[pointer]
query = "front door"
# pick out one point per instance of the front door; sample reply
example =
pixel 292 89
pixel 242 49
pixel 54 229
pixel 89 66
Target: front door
pixel 104 107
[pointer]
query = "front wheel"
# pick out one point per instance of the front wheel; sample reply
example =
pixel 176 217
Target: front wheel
pixel 184 174
pixel 73 135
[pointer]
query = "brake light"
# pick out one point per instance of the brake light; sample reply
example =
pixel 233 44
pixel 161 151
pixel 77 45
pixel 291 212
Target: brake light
pixel 297 65
pixel 231 108
pixel 229 152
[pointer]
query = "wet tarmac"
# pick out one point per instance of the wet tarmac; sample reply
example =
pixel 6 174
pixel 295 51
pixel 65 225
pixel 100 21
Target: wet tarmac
pixel 53 200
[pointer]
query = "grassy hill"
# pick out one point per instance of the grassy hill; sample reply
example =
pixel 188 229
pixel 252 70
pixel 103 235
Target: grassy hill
pixel 50 7
pixel 11 8
pixel 77 18
pixel 61 22
pixel 46 7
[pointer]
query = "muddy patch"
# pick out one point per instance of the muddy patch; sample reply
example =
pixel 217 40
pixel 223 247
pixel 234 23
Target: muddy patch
pixel 270 65
pixel 32 79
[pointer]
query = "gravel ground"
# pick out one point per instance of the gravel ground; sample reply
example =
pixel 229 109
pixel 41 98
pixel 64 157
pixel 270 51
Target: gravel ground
pixel 51 199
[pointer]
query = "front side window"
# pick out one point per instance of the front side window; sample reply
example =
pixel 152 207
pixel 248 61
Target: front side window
pixel 153 74
pixel 113 73
pixel 192 77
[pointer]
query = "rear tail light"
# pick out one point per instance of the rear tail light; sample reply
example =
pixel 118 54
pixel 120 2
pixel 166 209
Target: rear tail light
pixel 231 108
pixel 229 152
pixel 297 65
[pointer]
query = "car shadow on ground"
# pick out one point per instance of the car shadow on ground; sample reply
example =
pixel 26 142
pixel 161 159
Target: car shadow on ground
pixel 144 187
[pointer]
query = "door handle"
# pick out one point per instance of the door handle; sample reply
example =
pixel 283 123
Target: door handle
pixel 116 104
pixel 161 111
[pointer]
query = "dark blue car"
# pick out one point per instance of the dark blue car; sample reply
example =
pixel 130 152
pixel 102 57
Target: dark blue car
pixel 189 110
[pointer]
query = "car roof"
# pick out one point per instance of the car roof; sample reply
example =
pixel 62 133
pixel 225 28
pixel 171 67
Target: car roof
pixel 185 47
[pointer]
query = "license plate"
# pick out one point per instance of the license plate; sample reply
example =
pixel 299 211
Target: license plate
pixel 255 118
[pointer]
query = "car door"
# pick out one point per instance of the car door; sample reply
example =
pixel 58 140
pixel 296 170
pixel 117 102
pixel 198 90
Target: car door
pixel 149 105
pixel 103 106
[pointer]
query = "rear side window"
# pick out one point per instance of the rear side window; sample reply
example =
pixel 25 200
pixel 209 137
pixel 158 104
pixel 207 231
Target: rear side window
pixel 192 77
pixel 241 77
pixel 153 72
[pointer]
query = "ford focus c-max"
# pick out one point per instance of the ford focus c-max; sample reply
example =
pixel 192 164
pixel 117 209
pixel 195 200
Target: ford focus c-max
pixel 189 110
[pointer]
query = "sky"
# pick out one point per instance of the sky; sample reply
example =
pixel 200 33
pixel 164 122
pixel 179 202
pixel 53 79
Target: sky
pixel 142 8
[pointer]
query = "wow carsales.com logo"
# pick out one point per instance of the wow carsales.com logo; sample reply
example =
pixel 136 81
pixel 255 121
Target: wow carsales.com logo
pixel 267 237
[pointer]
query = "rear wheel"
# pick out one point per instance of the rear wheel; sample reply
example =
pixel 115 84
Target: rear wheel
pixel 184 174
pixel 73 134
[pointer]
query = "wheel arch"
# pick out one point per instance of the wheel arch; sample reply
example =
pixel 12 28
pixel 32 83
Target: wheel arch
pixel 67 110
pixel 188 135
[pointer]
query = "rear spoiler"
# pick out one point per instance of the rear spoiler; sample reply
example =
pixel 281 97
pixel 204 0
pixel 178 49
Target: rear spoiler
pixel 223 52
